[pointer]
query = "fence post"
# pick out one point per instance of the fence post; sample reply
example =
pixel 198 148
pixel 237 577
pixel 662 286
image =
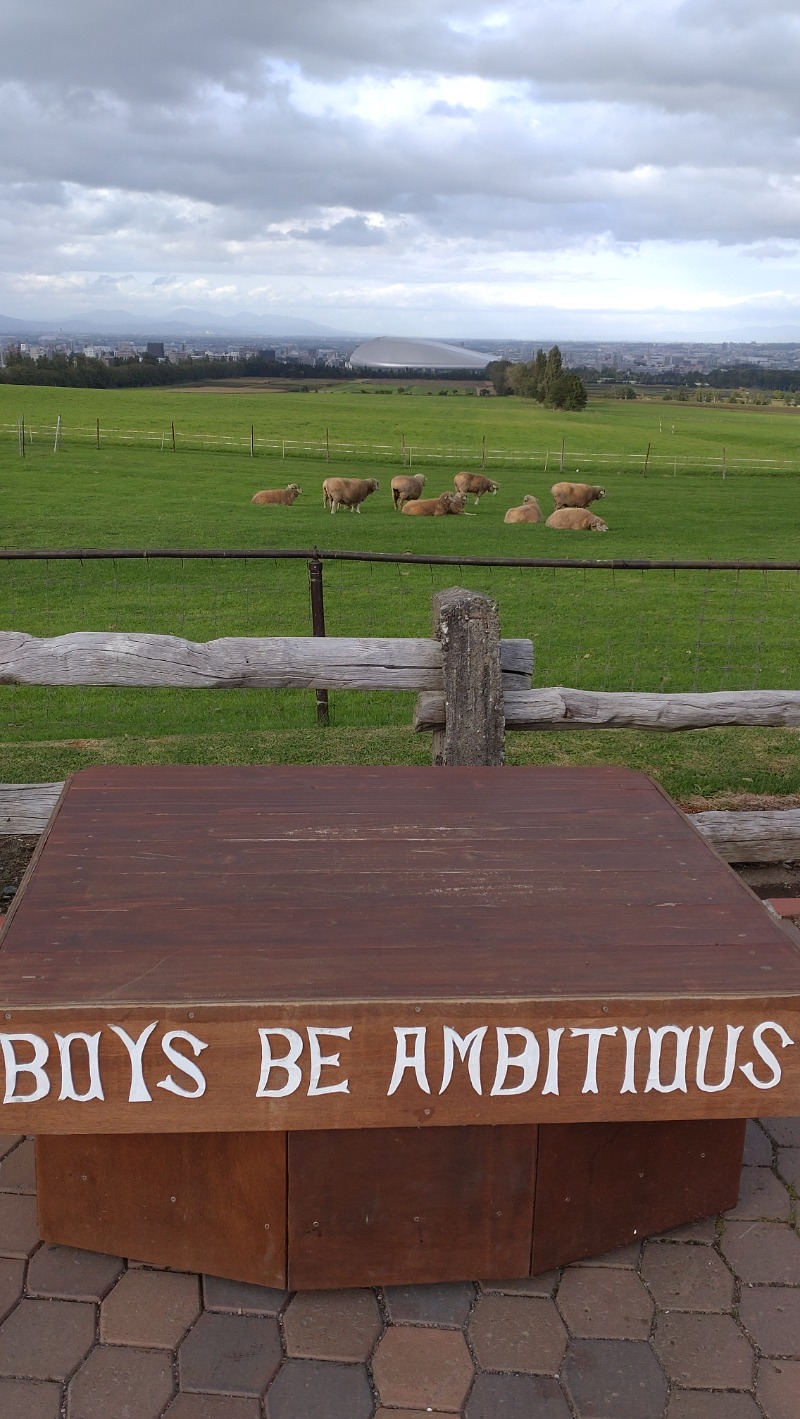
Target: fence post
pixel 483 453
pixel 57 439
pixel 97 421
pixel 173 435
pixel 646 460
pixel 468 627
pixel 724 465
pixel 561 464
pixel 327 446
pixel 317 595
pixel 21 436
pixel 252 441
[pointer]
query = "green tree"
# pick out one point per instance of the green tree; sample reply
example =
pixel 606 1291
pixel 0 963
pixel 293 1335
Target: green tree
pixel 553 369
pixel 568 392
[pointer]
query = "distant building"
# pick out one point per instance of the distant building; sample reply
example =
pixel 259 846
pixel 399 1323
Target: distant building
pixel 156 349
pixel 393 353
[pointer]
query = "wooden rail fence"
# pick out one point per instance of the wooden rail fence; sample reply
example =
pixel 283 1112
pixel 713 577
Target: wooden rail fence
pixel 472 686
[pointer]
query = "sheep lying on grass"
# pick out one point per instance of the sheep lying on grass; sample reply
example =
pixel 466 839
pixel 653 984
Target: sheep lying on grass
pixel 445 504
pixel 576 519
pixel 529 511
pixel 281 497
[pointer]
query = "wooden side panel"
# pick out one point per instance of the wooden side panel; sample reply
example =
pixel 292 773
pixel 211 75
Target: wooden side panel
pixel 197 1202
pixel 600 1186
pixel 402 1206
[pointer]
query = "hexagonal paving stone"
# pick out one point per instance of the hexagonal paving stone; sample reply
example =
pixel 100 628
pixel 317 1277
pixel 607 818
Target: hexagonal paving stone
pixel 789 1166
pixel 447 1304
pixel 242 1298
pixel 19 1229
pixel 516 1397
pixel 703 1232
pixel 778 1387
pixel 212 1406
pixel 69 1274
pixel 771 1315
pixel 623 1256
pixel 785 1131
pixel 757 1146
pixel 614 1379
pixel 151 1309
pixel 18 1169
pixel 703 1351
pixel 315 1390
pixel 225 1354
pixel 761 1196
pixel 694 1404
pixel 522 1333
pixel 605 1304
pixel 332 1325
pixel 118 1380
pixel 9 1141
pixel 12 1276
pixel 762 1252
pixel 687 1278
pixel 30 1399
pixel 415 1368
pixel 45 1340
pixel 542 1285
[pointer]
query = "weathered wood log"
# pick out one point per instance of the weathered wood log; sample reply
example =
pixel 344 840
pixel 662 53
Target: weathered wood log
pixel 768 836
pixel 286 662
pixel 468 627
pixel 560 708
pixel 26 807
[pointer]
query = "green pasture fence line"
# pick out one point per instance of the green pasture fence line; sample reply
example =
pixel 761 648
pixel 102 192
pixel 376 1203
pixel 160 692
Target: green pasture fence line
pixel 616 624
pixel 404 454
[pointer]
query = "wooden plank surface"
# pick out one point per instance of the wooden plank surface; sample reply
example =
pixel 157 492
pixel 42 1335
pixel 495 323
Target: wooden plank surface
pixel 221 902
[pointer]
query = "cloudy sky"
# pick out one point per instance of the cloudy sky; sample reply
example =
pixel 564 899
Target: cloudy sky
pixel 539 168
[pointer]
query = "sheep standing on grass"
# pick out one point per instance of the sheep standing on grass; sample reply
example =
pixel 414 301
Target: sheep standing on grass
pixel 529 511
pixel 277 497
pixel 406 489
pixel 347 492
pixel 576 519
pixel 575 494
pixel 474 484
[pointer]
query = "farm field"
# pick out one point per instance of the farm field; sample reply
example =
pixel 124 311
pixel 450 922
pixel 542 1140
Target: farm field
pixel 654 630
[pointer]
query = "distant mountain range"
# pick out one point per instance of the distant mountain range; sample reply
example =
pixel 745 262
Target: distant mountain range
pixel 183 321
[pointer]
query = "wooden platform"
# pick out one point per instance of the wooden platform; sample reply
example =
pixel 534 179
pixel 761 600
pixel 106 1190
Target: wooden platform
pixel 346 1026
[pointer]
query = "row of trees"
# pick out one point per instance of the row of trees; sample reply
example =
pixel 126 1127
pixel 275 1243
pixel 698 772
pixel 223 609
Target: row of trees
pixel 76 371
pixel 543 378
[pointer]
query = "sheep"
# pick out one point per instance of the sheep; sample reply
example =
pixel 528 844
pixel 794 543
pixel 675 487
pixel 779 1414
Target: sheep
pixel 283 496
pixel 575 494
pixel 407 489
pixel 529 511
pixel 576 519
pixel 476 484
pixel 435 507
pixel 347 492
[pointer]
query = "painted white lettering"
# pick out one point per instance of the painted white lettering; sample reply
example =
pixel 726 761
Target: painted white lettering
pixel 527 1060
pixel 287 1062
pixel 765 1053
pixel 14 1067
pixel 183 1064
pixel 139 1092
pixel 594 1036
pixel 551 1078
pixel 631 1036
pixel 706 1036
pixel 327 1061
pixel 68 1090
pixel 403 1060
pixel 467 1047
pixel 657 1037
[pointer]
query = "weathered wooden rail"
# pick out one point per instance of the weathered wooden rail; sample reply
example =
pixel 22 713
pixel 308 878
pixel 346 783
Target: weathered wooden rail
pixel 472 686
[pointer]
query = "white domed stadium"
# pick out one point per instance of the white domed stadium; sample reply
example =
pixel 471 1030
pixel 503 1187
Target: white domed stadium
pixel 390 352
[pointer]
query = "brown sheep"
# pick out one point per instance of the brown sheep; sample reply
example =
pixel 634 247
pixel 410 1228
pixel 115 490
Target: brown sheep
pixel 575 494
pixel 347 492
pixel 435 507
pixel 576 519
pixel 528 512
pixel 407 489
pixel 475 484
pixel 282 496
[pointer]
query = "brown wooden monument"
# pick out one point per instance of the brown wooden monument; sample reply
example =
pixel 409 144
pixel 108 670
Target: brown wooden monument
pixel 341 1026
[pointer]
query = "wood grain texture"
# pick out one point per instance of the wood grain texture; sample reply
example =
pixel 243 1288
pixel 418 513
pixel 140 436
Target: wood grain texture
pixel 601 1186
pixel 134 659
pixel 561 708
pixel 212 1203
pixel 468 627
pixel 399 1207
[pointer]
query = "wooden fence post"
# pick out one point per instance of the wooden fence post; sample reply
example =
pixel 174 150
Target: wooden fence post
pixel 468 627
pixel 317 598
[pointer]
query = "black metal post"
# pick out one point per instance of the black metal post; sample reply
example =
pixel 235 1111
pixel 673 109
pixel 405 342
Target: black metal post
pixel 317 595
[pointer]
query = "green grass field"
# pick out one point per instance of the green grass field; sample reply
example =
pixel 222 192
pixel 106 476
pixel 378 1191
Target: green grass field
pixel 594 629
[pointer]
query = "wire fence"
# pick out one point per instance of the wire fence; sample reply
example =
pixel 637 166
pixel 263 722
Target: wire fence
pixel 402 452
pixel 613 625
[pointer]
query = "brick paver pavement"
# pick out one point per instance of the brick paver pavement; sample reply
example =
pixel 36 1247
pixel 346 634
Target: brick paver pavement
pixel 703 1323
